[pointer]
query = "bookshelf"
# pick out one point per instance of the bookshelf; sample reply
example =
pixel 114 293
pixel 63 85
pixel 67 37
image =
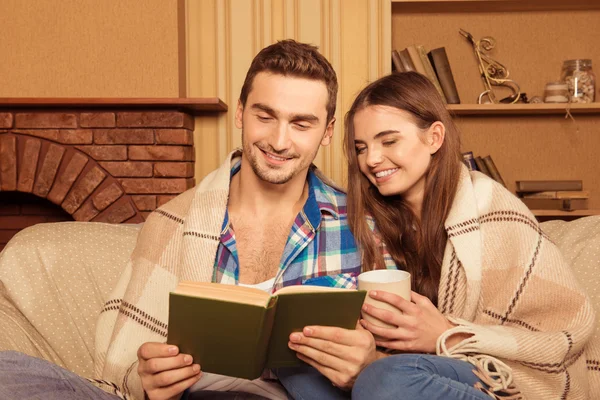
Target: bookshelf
pixel 533 38
pixel 523 109
pixel 497 5
pixel 559 213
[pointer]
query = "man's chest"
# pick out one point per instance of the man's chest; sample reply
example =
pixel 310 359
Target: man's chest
pixel 259 249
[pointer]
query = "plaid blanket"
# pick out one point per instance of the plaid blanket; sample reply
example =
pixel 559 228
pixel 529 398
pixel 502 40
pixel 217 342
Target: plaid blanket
pixel 507 284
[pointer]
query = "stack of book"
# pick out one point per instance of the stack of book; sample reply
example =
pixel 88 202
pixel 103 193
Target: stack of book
pixel 434 65
pixel 566 195
pixel 484 164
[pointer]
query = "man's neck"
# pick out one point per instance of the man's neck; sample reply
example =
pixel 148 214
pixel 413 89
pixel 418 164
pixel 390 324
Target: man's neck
pixel 249 195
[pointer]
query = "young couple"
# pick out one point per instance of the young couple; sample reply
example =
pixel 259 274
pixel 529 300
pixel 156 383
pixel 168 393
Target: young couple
pixel 495 311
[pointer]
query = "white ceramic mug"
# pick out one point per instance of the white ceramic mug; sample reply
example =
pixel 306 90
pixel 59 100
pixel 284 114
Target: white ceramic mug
pixel 386 280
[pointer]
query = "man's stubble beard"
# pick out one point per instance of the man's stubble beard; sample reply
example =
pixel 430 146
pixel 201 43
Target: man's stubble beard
pixel 266 174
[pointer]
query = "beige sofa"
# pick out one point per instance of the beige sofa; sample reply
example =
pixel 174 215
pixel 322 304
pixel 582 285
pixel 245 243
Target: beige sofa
pixel 55 278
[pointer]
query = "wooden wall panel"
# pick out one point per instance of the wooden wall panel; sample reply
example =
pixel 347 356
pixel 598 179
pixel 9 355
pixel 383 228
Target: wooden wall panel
pixel 89 48
pixel 341 31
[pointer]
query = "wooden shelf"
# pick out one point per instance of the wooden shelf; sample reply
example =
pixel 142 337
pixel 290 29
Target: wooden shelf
pixel 437 6
pixel 194 106
pixel 523 109
pixel 558 213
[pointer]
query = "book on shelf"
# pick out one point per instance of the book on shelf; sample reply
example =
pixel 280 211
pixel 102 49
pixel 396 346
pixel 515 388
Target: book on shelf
pixel 239 331
pixel 406 61
pixel 396 62
pixel 441 65
pixel 548 185
pixel 469 160
pixel 557 194
pixel 430 73
pixel 481 167
pixel 418 56
pixel 555 204
pixel 493 170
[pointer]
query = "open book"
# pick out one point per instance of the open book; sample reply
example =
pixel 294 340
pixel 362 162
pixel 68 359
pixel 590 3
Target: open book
pixel 239 331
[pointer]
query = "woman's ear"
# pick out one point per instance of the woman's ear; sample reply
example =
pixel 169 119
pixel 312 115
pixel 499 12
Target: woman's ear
pixel 435 136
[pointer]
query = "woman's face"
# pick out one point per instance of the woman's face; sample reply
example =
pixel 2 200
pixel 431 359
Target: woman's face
pixel 393 152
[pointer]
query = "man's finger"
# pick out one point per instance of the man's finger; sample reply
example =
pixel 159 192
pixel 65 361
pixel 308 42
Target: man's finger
pixel 175 389
pixel 153 350
pixel 158 364
pixel 171 377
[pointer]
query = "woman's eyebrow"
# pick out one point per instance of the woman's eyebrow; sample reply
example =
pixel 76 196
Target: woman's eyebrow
pixel 385 133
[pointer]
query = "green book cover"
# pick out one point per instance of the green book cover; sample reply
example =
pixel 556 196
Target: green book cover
pixel 237 331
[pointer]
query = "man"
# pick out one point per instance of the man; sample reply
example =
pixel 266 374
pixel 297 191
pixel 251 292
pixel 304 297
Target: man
pixel 265 219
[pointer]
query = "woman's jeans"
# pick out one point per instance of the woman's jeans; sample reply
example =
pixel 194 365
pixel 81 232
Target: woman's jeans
pixel 402 376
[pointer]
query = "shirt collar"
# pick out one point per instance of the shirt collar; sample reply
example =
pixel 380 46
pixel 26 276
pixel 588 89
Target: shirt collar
pixel 320 198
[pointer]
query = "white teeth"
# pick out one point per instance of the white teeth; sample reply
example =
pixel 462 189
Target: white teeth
pixel 387 172
pixel 275 157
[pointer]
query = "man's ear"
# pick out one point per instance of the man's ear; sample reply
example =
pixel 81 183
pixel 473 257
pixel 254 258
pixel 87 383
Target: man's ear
pixel 435 136
pixel 328 133
pixel 239 112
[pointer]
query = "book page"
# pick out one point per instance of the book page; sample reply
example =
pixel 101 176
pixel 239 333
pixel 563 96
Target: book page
pixel 231 293
pixel 307 289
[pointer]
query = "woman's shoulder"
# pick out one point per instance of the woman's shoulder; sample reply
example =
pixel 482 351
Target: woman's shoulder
pixel 493 198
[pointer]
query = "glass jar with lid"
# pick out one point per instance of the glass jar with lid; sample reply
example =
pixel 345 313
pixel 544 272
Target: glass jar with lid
pixel 580 80
pixel 556 92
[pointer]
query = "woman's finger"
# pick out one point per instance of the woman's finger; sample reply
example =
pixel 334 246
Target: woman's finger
pixel 393 299
pixel 383 332
pixel 393 318
pixel 324 345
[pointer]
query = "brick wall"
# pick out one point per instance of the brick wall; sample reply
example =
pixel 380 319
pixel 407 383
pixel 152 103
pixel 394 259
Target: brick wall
pixel 19 210
pixel 96 165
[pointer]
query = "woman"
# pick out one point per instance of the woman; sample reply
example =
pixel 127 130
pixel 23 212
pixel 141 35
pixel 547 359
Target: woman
pixel 495 310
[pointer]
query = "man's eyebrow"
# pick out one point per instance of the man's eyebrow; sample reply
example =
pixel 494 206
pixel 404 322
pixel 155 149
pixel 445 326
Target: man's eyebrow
pixel 305 117
pixel 294 117
pixel 378 136
pixel 265 108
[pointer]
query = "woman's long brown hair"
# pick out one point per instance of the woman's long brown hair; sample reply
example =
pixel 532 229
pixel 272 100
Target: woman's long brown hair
pixel 416 245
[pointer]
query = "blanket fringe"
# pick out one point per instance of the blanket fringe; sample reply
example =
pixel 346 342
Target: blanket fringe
pixel 490 370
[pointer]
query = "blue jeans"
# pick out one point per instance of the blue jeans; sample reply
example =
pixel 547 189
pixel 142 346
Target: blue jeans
pixel 402 376
pixel 28 378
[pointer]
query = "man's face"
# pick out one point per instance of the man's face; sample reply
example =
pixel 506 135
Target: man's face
pixel 283 124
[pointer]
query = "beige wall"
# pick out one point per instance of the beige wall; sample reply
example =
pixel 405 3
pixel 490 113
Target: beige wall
pixel 90 48
pixel 224 35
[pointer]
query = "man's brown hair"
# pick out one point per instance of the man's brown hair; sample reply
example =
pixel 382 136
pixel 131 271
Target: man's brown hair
pixel 300 60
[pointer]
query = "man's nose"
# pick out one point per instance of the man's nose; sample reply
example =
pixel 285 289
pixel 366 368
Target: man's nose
pixel 282 139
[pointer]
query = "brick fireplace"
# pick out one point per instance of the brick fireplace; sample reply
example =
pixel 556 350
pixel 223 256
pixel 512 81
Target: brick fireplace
pixel 102 161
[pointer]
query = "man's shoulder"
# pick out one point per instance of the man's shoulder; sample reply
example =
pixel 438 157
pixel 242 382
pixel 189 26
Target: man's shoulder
pixel 329 195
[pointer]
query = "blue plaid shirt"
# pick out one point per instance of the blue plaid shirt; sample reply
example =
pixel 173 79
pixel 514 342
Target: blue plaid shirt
pixel 320 249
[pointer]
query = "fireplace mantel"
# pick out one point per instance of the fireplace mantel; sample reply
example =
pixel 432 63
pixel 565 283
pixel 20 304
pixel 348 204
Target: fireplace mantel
pixel 192 105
